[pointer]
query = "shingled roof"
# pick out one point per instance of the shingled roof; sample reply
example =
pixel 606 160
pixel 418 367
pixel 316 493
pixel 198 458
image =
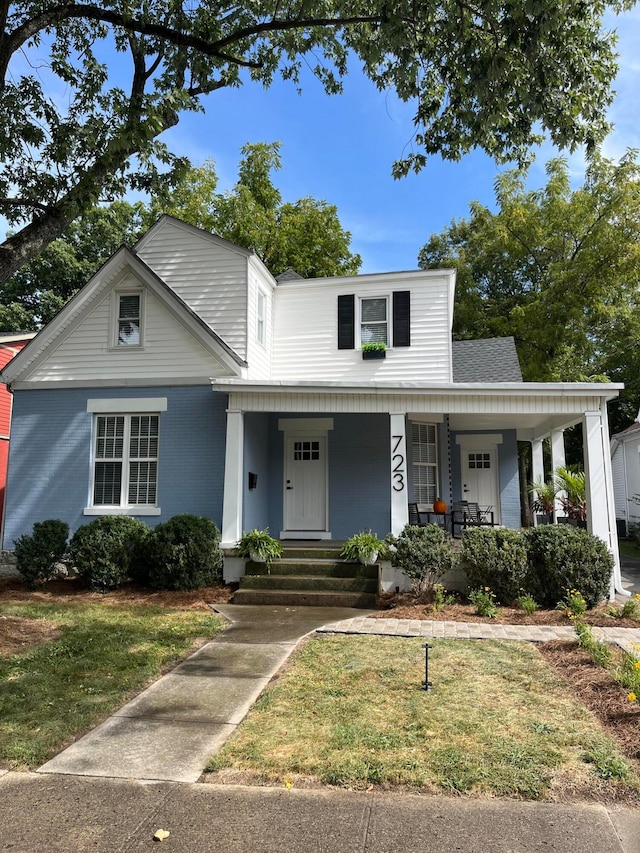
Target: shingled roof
pixel 488 360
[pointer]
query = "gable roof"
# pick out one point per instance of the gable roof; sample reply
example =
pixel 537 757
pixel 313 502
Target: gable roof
pixel 72 313
pixel 488 360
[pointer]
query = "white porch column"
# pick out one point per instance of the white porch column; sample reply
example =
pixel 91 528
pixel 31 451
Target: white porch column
pixel 557 461
pixel 233 479
pixel 537 465
pixel 601 516
pixel 399 486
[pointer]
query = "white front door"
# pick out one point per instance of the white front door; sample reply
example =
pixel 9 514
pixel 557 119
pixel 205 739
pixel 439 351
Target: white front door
pixel 305 483
pixel 480 478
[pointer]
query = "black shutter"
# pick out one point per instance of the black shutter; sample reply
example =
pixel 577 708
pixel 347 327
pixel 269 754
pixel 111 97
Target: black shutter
pixel 402 318
pixel 346 321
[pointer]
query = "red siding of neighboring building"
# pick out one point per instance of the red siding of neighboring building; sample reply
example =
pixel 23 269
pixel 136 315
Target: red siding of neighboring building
pixel 8 348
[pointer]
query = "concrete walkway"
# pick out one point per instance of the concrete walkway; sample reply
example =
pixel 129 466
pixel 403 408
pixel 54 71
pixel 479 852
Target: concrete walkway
pixel 66 814
pixel 169 731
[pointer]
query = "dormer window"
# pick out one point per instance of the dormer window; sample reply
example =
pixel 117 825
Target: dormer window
pixel 374 327
pixel 129 320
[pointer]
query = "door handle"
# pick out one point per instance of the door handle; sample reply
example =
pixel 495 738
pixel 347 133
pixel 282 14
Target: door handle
pixel 289 487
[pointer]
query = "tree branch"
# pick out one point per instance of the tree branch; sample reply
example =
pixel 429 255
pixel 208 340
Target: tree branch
pixel 19 202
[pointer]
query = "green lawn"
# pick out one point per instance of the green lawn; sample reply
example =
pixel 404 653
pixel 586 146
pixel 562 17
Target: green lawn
pixel 349 711
pixel 103 655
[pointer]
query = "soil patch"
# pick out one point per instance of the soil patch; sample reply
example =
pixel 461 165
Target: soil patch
pixel 14 590
pixel 406 606
pixel 18 634
pixel 594 687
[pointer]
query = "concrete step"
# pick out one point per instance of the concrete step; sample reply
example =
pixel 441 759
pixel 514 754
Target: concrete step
pixel 325 568
pixel 306 598
pixel 306 583
pixel 326 552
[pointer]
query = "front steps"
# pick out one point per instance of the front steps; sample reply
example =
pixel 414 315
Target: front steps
pixel 309 576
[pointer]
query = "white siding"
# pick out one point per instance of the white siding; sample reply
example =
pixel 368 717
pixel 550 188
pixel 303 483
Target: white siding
pixel 259 356
pixel 170 350
pixel 306 330
pixel 619 481
pixel 209 275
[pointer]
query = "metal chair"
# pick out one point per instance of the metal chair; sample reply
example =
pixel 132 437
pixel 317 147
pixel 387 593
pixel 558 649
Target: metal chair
pixel 414 516
pixel 469 514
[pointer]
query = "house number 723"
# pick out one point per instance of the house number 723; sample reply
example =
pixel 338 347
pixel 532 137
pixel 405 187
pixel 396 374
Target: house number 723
pixel 398 471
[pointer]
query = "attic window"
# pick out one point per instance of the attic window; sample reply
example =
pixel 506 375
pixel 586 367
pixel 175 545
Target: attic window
pixel 129 320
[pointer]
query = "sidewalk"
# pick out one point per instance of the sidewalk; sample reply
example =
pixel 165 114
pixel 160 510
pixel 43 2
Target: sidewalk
pixel 66 814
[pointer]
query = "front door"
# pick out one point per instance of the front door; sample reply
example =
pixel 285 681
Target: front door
pixel 305 486
pixel 480 479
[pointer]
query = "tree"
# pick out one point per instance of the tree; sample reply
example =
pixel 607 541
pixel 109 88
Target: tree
pixel 557 269
pixel 306 235
pixel 481 74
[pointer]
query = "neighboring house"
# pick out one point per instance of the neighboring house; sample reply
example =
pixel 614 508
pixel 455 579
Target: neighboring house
pixel 625 464
pixel 184 378
pixel 10 345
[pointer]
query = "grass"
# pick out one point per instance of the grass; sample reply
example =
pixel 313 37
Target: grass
pixel 101 656
pixel 349 711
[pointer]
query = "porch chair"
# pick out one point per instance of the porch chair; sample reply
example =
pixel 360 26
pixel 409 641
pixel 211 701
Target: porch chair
pixel 469 514
pixel 414 516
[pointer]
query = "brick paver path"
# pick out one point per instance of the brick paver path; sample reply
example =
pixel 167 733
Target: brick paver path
pixel 626 638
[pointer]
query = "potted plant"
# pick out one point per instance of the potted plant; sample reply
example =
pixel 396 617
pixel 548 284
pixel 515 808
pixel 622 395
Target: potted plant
pixel 544 500
pixel 363 548
pixel 259 546
pixel 572 495
pixel 374 349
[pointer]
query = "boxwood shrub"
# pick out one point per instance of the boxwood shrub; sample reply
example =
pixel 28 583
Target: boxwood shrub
pixel 563 557
pixel 103 551
pixel 496 557
pixel 183 553
pixel 424 554
pixel 38 553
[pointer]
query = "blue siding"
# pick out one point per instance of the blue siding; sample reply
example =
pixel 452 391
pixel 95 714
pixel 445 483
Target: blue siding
pixel 49 468
pixel 256 460
pixel 508 476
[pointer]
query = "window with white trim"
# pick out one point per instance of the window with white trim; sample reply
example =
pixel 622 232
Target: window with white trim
pixel 129 321
pixel 261 318
pixel 125 468
pixel 425 462
pixel 374 322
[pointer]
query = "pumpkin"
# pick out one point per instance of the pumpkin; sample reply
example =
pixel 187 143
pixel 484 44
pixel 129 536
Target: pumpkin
pixel 439 506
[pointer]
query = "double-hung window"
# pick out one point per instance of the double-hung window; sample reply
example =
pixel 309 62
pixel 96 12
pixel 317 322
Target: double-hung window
pixel 374 323
pixel 261 318
pixel 425 462
pixel 124 462
pixel 128 320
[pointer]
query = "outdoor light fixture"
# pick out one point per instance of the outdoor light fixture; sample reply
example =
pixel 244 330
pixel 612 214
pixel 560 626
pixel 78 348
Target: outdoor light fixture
pixel 426 684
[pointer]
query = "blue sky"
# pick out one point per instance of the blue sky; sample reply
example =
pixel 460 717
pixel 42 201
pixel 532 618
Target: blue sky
pixel 341 149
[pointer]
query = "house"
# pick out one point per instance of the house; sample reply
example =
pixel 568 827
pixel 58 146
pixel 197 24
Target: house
pixel 10 344
pixel 625 464
pixel 185 378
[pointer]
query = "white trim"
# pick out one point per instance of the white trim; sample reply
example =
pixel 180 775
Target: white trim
pixel 233 480
pixel 122 290
pixel 138 509
pixel 305 534
pixel 362 297
pixel 301 425
pixel 94 384
pixel 479 441
pixel 133 405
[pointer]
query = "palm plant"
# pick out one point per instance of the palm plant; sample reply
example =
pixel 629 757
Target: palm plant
pixel 572 491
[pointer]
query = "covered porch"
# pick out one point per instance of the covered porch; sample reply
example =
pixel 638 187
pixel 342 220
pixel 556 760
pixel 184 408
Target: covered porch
pixel 320 461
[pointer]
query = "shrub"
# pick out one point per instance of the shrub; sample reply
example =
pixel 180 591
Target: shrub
pixel 184 553
pixel 103 550
pixel 563 557
pixel 37 554
pixel 495 558
pixel 424 554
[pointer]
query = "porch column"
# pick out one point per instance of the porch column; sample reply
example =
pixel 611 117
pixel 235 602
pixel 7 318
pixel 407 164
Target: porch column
pixel 537 466
pixel 399 486
pixel 601 516
pixel 557 461
pixel 233 479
